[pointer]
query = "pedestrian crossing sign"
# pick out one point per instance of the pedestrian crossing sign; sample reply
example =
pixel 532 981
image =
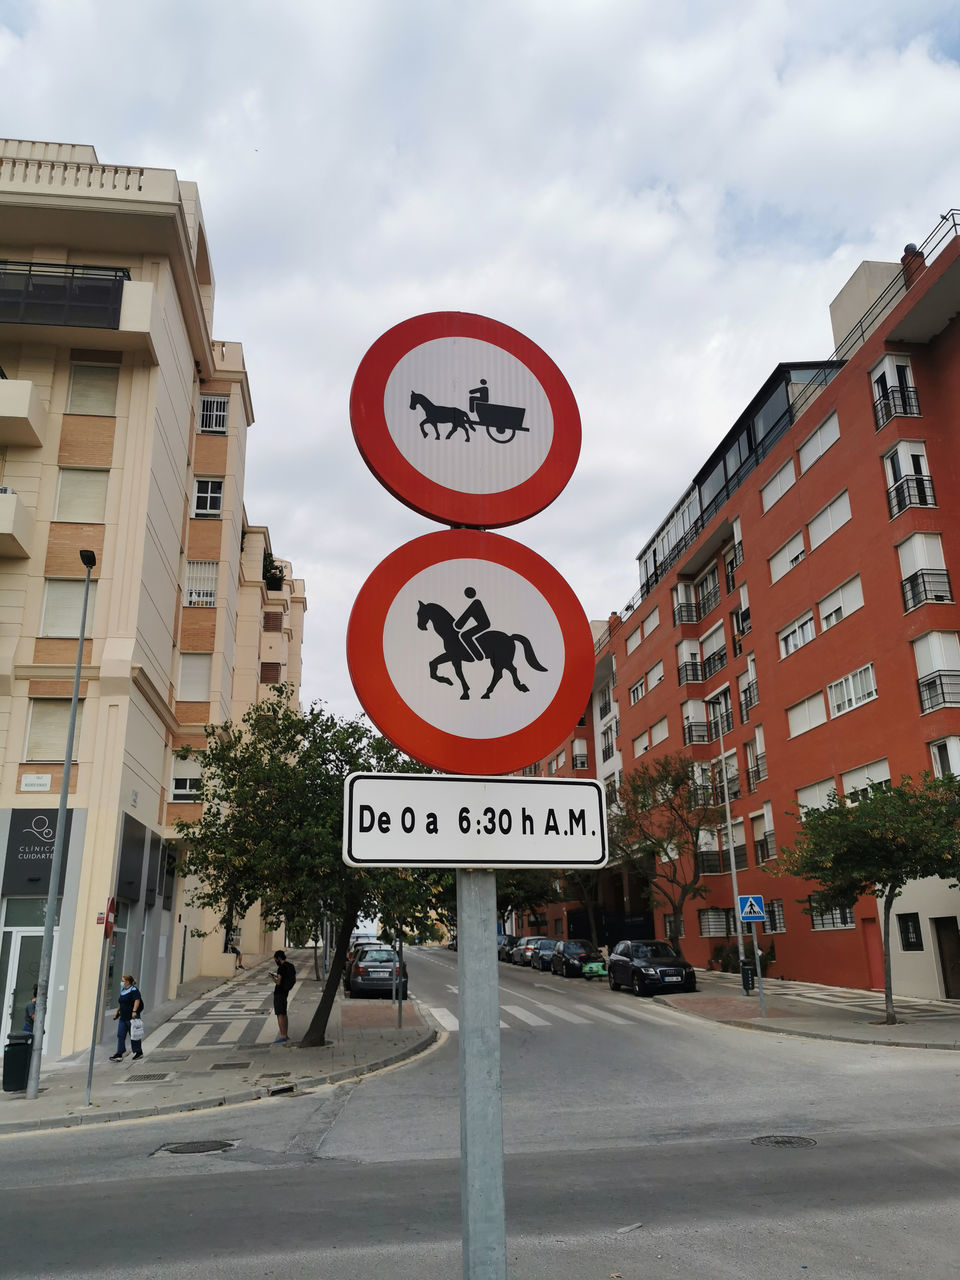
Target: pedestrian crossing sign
pixel 751 909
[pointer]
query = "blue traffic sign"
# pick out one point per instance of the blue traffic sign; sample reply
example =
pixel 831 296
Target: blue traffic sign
pixel 751 909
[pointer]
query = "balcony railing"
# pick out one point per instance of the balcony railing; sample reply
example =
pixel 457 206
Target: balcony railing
pixel 732 564
pixel 689 673
pixel 708 601
pixel 714 862
pixel 579 762
pixel 721 723
pixel 749 697
pixel 897 402
pixel 733 787
pixel 926 585
pixel 911 491
pixel 701 795
pixel 54 294
pixel 715 662
pixel 607 751
pixel 939 689
pixel 695 731
pixel 765 848
pixel 757 773
pixel 685 612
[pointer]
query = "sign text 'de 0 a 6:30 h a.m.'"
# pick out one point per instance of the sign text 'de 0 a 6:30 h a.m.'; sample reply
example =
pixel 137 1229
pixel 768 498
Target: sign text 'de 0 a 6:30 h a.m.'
pixel 431 820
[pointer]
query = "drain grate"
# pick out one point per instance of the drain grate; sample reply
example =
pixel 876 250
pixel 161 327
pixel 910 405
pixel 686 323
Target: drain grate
pixel 197 1148
pixel 227 1066
pixel 170 1057
pixel 782 1140
pixel 149 1078
pixel 273 1075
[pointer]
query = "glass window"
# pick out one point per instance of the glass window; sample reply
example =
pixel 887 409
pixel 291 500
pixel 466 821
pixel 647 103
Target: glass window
pixel 201 585
pixel 845 599
pixel 213 414
pixel 852 691
pixel 911 939
pixel 799 633
pixel 207 498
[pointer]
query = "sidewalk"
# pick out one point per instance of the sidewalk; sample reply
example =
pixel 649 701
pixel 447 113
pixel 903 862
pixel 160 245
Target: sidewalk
pixel 362 1036
pixel 821 1012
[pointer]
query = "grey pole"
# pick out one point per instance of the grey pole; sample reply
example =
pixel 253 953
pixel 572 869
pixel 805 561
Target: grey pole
pixel 733 856
pixel 88 560
pixel 482 1206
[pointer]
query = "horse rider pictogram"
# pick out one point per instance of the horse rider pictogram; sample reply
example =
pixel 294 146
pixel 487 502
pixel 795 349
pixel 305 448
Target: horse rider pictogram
pixel 502 421
pixel 469 638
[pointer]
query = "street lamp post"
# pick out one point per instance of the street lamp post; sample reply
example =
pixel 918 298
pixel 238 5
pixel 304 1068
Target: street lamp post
pixel 88 560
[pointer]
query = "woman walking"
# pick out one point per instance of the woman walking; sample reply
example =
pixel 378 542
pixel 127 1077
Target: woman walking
pixel 129 1006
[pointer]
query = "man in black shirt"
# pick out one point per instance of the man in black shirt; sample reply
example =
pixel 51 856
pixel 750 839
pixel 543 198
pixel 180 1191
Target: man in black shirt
pixel 283 979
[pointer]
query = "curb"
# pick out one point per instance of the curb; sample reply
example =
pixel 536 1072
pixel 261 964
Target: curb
pixel 287 1089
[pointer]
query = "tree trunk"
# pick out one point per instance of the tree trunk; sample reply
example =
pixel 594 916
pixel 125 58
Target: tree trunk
pixel 891 1014
pixel 592 920
pixel 317 1029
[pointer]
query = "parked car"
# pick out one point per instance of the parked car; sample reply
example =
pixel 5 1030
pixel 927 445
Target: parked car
pixel 541 953
pixel 373 972
pixel 570 957
pixel 647 966
pixel 452 944
pixel 522 952
pixel 505 944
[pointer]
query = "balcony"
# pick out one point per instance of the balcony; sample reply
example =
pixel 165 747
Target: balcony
pixel 732 565
pixel 715 662
pixel 749 697
pixel 926 586
pixel 23 419
pixel 695 731
pixel 689 673
pixel 685 613
pixel 757 773
pixel 939 689
pixel 722 723
pixel 715 862
pixel 897 402
pixel 708 601
pixel 911 491
pixel 733 787
pixel 607 750
pixel 16 526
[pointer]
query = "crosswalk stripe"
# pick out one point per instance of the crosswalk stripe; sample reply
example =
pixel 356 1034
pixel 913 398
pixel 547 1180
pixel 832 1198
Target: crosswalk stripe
pixel 560 1013
pixel 530 1018
pixel 446 1019
pixel 603 1015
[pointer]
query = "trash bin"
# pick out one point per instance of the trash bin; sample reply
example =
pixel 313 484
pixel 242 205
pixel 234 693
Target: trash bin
pixel 16 1061
pixel 748 975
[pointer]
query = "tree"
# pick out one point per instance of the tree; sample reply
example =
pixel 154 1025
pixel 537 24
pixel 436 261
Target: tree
pixel 665 810
pixel 584 884
pixel 271 828
pixel 874 844
pixel 519 890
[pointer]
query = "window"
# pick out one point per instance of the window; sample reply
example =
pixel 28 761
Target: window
pixel 186 782
pixel 908 477
pixel 202 583
pixel 658 731
pixel 893 390
pixel 830 917
pixel 936 651
pixel 633 639
pixel 580 759
pixel 829 520
pixel 818 795
pixel 606 706
pixel 606 743
pixel 774 923
pixel 47 733
pixel 868 777
pixel 774 489
pixel 852 691
pixel 270 673
pixel 799 633
pixel 708 592
pixel 845 599
pixel 194 683
pixel 946 757
pixel 641 743
pixel 207 498
pixel 911 939
pixel 654 675
pixel 806 715
pixel 816 445
pixel 62 606
pixel 213 414
pixel 636 693
pixel 717 922
pixel 610 789
pixel 82 497
pixel 790 554
pixel 673 925
pixel 650 622
pixel 93 389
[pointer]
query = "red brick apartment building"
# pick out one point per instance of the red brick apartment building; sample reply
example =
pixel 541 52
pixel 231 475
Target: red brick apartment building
pixel 796 625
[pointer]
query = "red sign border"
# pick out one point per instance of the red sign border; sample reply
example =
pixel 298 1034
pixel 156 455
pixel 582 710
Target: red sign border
pixel 449 752
pixel 404 481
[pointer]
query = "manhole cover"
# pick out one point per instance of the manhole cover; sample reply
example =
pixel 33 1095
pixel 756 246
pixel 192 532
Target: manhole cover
pixel 197 1148
pixel 226 1066
pixel 782 1140
pixel 150 1078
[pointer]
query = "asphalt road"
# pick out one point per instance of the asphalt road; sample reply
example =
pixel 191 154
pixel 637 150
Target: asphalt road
pixel 628 1131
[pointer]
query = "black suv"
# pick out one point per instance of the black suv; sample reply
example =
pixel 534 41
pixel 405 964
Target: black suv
pixel 647 966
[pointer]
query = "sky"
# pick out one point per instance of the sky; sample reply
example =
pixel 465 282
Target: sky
pixel 664 197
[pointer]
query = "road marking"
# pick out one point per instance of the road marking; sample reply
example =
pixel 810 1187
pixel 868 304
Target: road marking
pixel 193 1036
pixel 267 1033
pixel 530 1018
pixel 602 1013
pixel 560 1013
pixel 233 1031
pixel 445 1018
pixel 157 1037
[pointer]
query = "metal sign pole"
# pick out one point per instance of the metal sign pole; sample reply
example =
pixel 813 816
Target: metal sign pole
pixel 756 956
pixel 400 981
pixel 482 1205
pixel 95 1037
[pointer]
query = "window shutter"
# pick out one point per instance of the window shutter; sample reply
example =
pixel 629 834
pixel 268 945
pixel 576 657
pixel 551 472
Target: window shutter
pixel 83 496
pixel 47 736
pixel 273 621
pixel 195 677
pixel 62 606
pixel 93 390
pixel 269 672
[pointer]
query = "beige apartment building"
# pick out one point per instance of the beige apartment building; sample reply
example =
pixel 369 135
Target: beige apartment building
pixel 123 428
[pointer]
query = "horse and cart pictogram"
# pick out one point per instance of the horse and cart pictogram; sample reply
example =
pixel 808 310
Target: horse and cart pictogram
pixel 502 421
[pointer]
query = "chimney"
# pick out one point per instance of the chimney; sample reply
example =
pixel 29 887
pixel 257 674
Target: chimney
pixel 913 264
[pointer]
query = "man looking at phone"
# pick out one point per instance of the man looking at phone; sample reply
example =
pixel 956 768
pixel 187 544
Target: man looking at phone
pixel 283 979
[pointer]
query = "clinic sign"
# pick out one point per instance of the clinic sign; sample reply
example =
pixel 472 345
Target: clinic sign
pixel 29 851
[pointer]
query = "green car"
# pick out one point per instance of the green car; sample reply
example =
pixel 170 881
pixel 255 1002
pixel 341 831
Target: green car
pixel 578 958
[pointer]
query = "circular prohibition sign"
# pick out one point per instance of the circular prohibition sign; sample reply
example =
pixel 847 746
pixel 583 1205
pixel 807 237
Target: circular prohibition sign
pixel 465 420
pixel 486 692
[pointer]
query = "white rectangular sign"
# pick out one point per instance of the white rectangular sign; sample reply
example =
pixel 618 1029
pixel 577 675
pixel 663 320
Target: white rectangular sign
pixel 447 820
